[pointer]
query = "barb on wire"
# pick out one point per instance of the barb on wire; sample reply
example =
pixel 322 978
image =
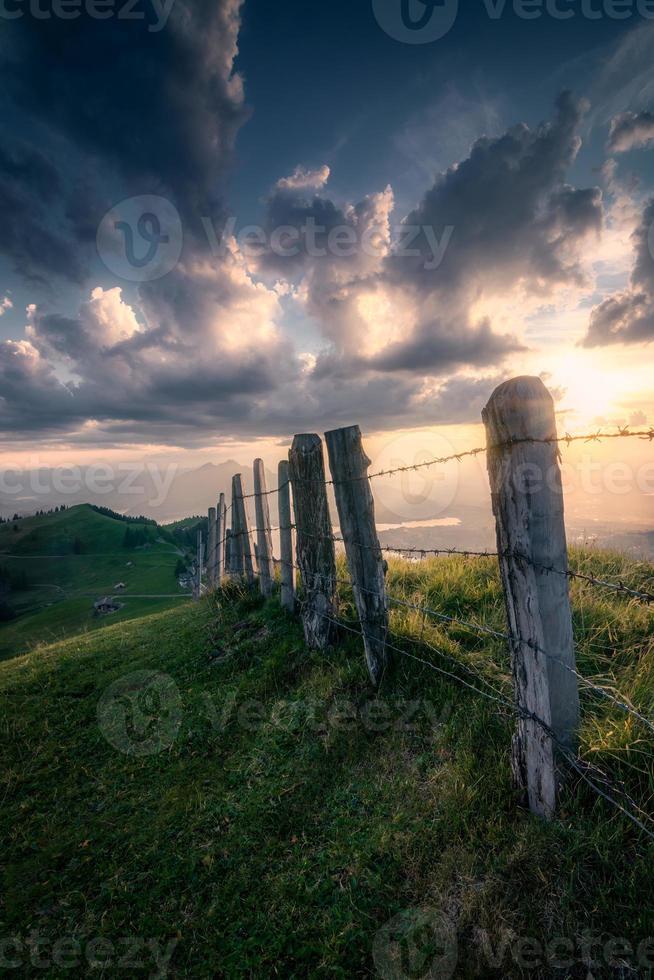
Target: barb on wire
pixel 265 493
pixel 624 432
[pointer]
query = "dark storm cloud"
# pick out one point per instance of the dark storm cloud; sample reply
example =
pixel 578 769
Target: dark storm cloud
pixel 29 186
pixel 107 104
pixel 628 316
pixel 114 110
pixel 440 345
pixel 162 108
pixel 630 131
pixel 513 216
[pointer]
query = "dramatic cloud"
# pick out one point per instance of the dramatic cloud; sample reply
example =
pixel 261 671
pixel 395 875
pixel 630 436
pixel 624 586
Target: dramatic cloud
pixel 131 110
pixel 191 350
pixel 628 316
pixel 403 299
pixel 631 131
pixel 513 216
pixel 202 351
pixel 29 186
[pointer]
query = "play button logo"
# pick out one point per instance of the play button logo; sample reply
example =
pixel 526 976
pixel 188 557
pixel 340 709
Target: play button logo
pixel 416 21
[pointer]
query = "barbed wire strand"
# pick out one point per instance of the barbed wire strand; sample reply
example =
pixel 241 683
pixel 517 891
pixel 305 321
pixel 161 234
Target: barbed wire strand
pixel 618 587
pixel 623 433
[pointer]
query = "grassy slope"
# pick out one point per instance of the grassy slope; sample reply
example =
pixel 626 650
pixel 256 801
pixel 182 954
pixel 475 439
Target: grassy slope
pixel 280 848
pixel 63 605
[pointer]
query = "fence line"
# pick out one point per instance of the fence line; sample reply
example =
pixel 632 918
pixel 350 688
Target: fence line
pixel 521 429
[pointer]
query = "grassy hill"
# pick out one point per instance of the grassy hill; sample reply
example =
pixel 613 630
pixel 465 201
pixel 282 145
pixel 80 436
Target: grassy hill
pixel 264 811
pixel 73 557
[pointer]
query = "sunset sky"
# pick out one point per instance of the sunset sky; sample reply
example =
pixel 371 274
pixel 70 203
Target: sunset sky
pixel 519 151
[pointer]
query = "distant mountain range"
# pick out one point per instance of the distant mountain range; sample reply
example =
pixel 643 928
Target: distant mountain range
pixel 163 493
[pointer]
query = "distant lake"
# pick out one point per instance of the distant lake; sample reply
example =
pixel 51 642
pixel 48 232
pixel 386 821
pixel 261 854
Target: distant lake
pixel 440 522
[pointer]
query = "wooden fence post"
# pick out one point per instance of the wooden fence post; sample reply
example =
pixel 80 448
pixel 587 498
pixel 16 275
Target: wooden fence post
pixel 229 558
pixel 286 537
pixel 199 558
pixel 221 534
pixel 244 544
pixel 527 497
pixel 211 548
pixel 356 510
pixel 316 557
pixel 236 539
pixel 264 538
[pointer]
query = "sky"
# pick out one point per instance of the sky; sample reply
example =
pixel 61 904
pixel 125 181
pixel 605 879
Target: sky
pixel 225 222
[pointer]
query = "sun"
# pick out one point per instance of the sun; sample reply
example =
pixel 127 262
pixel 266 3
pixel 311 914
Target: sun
pixel 593 391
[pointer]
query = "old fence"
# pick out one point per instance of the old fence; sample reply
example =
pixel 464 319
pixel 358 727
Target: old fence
pixel 522 448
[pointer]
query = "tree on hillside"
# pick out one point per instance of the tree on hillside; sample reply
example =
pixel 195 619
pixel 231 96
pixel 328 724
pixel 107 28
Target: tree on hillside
pixel 136 537
pixel 6 612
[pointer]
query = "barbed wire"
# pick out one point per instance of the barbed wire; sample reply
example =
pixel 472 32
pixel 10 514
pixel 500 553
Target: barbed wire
pixel 619 700
pixel 578 765
pixel 623 432
pixel 617 587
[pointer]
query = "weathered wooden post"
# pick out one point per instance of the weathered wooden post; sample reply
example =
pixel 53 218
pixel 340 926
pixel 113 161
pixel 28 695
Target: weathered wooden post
pixel 221 535
pixel 211 548
pixel 229 559
pixel 315 546
pixel 527 497
pixel 286 536
pixel 236 539
pixel 244 544
pixel 356 510
pixel 264 537
pixel 199 562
